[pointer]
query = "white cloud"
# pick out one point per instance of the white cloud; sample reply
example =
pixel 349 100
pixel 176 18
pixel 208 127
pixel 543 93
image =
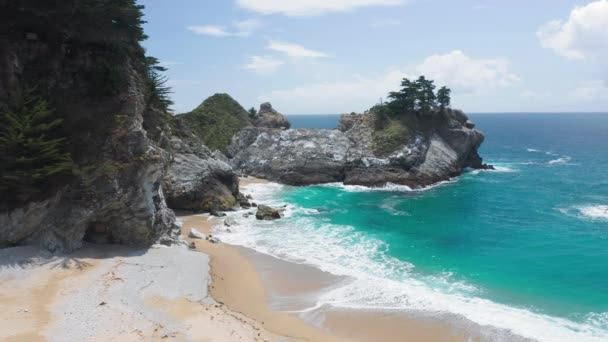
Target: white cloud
pixel 263 64
pixel 209 30
pixel 310 7
pixel 242 28
pixel 590 90
pixel 294 50
pixel 465 75
pixel 583 36
pixel 247 27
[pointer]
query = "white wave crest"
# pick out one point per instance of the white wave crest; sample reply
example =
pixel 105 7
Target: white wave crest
pixel 389 187
pixel 533 150
pixel 560 160
pixel 594 212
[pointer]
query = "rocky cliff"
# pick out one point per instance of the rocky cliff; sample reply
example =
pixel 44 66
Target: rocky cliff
pixel 414 151
pixel 84 59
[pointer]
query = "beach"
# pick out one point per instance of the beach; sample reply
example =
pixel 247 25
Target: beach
pixel 216 293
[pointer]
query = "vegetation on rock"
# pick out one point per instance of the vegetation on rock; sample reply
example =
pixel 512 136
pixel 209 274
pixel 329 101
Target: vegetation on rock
pixel 216 120
pixel 415 107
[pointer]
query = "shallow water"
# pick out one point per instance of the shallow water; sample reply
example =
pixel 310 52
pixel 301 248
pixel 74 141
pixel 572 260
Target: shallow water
pixel 523 248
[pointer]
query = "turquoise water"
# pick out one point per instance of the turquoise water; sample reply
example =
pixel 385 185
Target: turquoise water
pixel 523 248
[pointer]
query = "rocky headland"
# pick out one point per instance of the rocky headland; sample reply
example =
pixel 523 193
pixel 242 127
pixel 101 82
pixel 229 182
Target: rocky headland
pixel 416 151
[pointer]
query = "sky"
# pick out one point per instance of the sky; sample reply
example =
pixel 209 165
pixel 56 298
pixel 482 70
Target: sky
pixel 338 56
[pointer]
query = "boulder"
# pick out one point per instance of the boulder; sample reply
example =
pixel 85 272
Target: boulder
pixel 199 180
pixel 213 239
pixel 195 234
pixel 267 213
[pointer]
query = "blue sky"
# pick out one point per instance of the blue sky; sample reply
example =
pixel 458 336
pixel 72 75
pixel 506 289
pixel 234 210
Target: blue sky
pixel 335 56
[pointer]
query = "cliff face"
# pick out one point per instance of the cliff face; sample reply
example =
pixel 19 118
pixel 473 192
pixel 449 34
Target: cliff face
pixel 417 152
pixel 83 57
pixel 198 179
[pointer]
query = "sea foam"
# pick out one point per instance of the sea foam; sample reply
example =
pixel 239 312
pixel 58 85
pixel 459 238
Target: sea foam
pixel 594 212
pixel 384 282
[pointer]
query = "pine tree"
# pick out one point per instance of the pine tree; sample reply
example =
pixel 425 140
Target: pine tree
pixel 426 94
pixel 157 91
pixel 29 154
pixel 443 97
pixel 252 113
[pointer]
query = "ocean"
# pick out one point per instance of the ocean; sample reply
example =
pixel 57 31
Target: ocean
pixel 522 248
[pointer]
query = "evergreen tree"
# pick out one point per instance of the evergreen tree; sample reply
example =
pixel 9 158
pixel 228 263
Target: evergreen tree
pixel 405 99
pixel 252 113
pixel 425 94
pixel 157 90
pixel 29 154
pixel 443 97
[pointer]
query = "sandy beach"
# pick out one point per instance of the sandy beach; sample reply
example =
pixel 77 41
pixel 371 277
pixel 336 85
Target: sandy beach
pixel 276 287
pixel 216 293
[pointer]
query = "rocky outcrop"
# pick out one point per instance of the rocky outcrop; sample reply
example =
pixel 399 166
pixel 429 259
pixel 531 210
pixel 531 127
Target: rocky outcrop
pixel 198 181
pixel 267 213
pixel 267 117
pixel 425 151
pixel 113 193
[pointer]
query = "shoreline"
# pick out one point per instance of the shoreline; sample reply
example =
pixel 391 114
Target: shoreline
pixel 219 292
pixel 268 278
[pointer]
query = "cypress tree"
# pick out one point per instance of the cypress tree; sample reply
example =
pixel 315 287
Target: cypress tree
pixel 29 154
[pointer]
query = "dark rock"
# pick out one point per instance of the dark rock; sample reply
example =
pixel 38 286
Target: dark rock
pixel 216 213
pixel 243 201
pixel 267 117
pixel 267 213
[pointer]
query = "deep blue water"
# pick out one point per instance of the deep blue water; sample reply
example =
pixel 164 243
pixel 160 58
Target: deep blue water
pixel 523 248
pixel 328 121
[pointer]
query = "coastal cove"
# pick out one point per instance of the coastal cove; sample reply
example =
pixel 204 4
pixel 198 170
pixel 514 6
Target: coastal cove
pixel 489 241
pixel 152 188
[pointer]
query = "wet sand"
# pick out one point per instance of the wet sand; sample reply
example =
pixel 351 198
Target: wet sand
pixel 273 291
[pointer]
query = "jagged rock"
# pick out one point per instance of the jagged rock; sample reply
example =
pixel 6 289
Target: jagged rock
pixel 267 117
pixel 267 213
pixel 195 234
pixel 243 201
pixel 196 180
pixel 424 152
